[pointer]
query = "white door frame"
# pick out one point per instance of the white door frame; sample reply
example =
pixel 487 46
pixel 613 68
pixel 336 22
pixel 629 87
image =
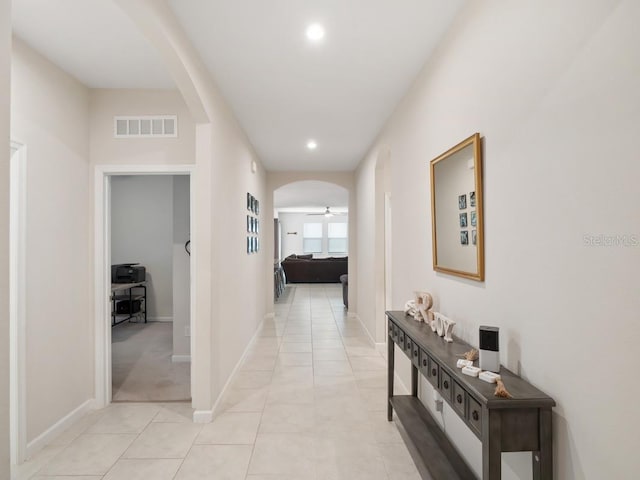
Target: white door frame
pixel 17 302
pixel 102 240
pixel 387 252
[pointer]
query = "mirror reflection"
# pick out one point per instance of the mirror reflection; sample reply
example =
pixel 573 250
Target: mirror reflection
pixel 456 206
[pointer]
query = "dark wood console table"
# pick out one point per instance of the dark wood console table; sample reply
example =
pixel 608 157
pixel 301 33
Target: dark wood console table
pixel 522 423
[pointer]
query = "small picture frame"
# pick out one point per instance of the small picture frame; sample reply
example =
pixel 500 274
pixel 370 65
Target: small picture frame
pixel 257 226
pixel 462 202
pixel 248 201
pixel 464 237
pixel 257 244
pixel 474 237
pixel 474 220
pixel 463 220
pixel 248 245
pixel 248 223
pixel 472 199
pixel 257 207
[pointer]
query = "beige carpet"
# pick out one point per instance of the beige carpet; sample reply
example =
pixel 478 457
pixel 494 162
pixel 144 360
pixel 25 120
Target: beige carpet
pixel 142 367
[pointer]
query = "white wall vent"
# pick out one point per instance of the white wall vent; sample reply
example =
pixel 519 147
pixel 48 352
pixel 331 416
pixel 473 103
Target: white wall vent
pixel 146 126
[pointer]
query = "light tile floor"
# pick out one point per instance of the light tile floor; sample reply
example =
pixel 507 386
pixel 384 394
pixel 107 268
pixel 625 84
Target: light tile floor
pixel 308 403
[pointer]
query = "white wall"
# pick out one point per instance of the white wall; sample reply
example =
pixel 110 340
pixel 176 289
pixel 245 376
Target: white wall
pixel 50 114
pixel 552 88
pixel 106 149
pixel 142 232
pixel 294 222
pixel 237 277
pixel 226 277
pixel 366 253
pixel 181 266
pixel 5 80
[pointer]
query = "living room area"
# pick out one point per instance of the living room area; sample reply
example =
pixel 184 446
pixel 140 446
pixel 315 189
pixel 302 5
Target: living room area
pixel 311 236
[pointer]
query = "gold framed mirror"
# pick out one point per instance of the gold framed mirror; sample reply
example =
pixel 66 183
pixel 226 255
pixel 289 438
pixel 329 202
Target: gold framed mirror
pixel 456 210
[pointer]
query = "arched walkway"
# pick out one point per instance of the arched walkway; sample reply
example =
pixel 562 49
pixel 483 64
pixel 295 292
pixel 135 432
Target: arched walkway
pixel 276 180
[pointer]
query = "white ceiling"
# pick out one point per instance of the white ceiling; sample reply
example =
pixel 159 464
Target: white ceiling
pixel 340 93
pixel 283 89
pixel 311 196
pixel 93 40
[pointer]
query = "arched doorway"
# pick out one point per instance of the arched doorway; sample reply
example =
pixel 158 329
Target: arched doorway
pixel 311 234
pixel 344 180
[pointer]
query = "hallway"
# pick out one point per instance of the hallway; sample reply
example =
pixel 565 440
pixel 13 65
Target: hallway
pixel 308 403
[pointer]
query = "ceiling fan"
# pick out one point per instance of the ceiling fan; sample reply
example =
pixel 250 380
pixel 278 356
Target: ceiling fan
pixel 327 213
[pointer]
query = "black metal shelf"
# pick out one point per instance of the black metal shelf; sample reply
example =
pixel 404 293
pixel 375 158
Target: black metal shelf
pixel 130 297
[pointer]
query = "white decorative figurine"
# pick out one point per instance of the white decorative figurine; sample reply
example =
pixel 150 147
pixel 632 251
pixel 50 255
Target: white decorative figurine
pixel 410 308
pixel 444 327
pixel 420 307
pixel 424 302
pixel 439 324
pixel 434 322
pixel 448 329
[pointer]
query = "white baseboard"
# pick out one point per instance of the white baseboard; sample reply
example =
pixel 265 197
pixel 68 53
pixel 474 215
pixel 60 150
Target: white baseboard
pixel 46 437
pixel 202 416
pixel 181 358
pixel 160 319
pixel 382 349
pixel 371 340
pixel 205 416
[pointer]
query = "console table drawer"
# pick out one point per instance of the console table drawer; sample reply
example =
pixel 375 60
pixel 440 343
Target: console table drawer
pixel 459 399
pixel 396 331
pixel 434 373
pixel 475 415
pixel 416 355
pixel 424 363
pixel 408 346
pixel 446 386
pixel 412 350
pixel 401 338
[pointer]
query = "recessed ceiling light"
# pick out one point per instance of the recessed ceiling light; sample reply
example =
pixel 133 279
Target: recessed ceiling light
pixel 315 32
pixel 312 145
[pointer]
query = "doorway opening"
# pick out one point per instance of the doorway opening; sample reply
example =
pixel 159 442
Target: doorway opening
pixel 311 225
pixel 382 245
pixel 150 288
pixel 145 311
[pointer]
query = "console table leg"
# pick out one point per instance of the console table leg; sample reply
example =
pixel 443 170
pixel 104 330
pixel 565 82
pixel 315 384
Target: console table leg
pixel 390 369
pixel 491 445
pixel 414 381
pixel 543 459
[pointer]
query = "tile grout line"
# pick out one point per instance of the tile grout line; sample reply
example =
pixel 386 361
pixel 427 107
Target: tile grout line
pixel 253 447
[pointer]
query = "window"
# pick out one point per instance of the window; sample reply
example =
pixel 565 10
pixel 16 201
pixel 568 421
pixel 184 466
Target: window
pixel 312 238
pixel 337 238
